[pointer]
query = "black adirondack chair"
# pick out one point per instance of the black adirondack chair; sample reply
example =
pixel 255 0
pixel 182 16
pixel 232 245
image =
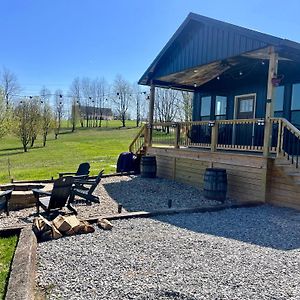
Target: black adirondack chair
pixel 83 170
pixel 85 188
pixel 4 201
pixel 56 199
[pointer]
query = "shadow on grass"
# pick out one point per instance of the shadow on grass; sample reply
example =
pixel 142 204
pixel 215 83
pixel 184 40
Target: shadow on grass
pixel 11 153
pixel 265 225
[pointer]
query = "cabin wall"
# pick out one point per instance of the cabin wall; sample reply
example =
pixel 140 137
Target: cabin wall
pixel 246 173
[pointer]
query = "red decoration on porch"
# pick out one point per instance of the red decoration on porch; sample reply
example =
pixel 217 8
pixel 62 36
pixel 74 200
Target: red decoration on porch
pixel 277 80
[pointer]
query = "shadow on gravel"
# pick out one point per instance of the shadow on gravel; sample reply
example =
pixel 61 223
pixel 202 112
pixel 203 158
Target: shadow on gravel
pixel 265 225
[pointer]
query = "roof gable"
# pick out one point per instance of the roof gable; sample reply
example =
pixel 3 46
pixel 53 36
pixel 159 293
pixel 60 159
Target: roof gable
pixel 201 40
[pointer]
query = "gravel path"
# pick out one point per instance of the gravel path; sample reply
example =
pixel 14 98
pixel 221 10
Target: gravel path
pixel 248 253
pixel 133 192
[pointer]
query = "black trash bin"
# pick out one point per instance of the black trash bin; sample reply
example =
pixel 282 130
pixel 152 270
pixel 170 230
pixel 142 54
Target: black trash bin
pixel 215 184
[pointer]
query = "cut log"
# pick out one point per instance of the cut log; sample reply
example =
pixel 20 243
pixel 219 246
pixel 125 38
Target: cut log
pixel 85 227
pixel 56 234
pixel 65 224
pixel 104 224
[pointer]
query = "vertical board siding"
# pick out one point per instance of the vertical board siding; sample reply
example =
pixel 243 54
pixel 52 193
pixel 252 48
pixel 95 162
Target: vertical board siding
pixel 201 44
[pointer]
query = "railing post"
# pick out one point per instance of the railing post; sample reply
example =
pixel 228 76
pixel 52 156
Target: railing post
pixel 273 66
pixel 151 113
pixel 279 140
pixel 214 136
pixel 177 136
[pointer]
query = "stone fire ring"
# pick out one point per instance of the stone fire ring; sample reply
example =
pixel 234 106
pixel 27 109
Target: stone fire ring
pixel 22 196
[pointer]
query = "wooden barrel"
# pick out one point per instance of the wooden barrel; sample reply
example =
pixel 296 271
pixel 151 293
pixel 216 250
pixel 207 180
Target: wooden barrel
pixel 215 184
pixel 148 166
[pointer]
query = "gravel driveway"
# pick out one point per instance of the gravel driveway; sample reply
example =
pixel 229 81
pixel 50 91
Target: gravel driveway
pixel 248 253
pixel 133 192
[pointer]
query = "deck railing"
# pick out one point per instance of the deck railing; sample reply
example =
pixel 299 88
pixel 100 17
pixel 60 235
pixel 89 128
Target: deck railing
pixel 235 135
pixel 288 142
pixel 138 144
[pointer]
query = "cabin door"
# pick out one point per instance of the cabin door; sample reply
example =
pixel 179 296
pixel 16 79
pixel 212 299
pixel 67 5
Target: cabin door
pixel 244 109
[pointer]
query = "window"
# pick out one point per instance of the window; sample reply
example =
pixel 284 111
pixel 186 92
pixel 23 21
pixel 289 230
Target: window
pixel 221 107
pixel 295 106
pixel 205 107
pixel 246 105
pixel 279 98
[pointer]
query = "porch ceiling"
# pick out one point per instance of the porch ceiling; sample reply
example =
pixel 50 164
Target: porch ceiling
pixel 195 77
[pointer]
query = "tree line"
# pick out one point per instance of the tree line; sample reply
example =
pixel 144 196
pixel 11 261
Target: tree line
pixel 83 105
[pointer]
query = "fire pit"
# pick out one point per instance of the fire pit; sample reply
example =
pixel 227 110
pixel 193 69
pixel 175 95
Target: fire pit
pixel 22 196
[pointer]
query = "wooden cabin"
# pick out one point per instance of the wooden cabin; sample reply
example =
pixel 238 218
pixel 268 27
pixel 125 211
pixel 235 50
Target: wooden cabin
pixel 246 110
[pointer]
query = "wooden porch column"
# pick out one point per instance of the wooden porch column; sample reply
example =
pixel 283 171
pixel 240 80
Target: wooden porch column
pixel 151 113
pixel 273 66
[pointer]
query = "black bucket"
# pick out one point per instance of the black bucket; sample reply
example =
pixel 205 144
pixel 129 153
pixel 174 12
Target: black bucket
pixel 215 184
pixel 148 167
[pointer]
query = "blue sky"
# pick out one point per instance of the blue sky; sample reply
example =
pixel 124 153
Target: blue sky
pixel 49 42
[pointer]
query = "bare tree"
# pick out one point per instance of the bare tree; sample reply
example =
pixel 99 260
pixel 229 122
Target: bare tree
pixel 166 104
pixel 138 99
pixel 5 115
pixel 58 114
pixel 122 97
pixel 186 106
pixel 87 91
pixel 46 114
pixel 100 89
pixel 9 84
pixel 75 93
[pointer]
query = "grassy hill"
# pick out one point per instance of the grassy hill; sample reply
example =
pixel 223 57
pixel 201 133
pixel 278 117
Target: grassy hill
pixel 98 146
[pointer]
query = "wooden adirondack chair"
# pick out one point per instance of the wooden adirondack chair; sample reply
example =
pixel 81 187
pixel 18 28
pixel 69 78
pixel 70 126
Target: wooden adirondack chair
pixel 85 188
pixel 83 169
pixel 56 199
pixel 4 201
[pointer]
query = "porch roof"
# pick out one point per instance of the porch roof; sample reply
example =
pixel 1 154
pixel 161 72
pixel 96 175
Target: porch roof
pixel 203 48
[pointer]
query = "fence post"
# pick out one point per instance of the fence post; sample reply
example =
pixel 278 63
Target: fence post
pixel 177 136
pixel 214 136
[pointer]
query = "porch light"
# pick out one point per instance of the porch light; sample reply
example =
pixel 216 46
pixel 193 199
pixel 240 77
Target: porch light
pixel 218 78
pixel 195 85
pixel 241 73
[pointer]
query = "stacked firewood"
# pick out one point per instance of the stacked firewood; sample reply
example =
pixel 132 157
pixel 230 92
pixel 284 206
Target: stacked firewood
pixel 60 226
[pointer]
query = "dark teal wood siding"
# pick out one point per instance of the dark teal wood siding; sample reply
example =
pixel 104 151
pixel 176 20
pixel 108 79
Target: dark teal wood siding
pixel 200 44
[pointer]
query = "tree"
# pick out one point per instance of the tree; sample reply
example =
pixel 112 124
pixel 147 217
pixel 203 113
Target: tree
pixel 58 114
pixel 35 118
pixel 186 106
pixel 22 126
pixel 5 115
pixel 166 104
pixel 122 98
pixel 86 87
pixel 9 84
pixel 75 93
pixel 100 89
pixel 46 114
pixel 138 98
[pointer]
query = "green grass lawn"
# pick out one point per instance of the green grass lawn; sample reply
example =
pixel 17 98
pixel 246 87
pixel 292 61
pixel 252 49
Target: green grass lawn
pixel 98 146
pixel 7 249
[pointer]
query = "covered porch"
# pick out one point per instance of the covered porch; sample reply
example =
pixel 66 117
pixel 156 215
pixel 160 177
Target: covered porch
pixel 245 110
